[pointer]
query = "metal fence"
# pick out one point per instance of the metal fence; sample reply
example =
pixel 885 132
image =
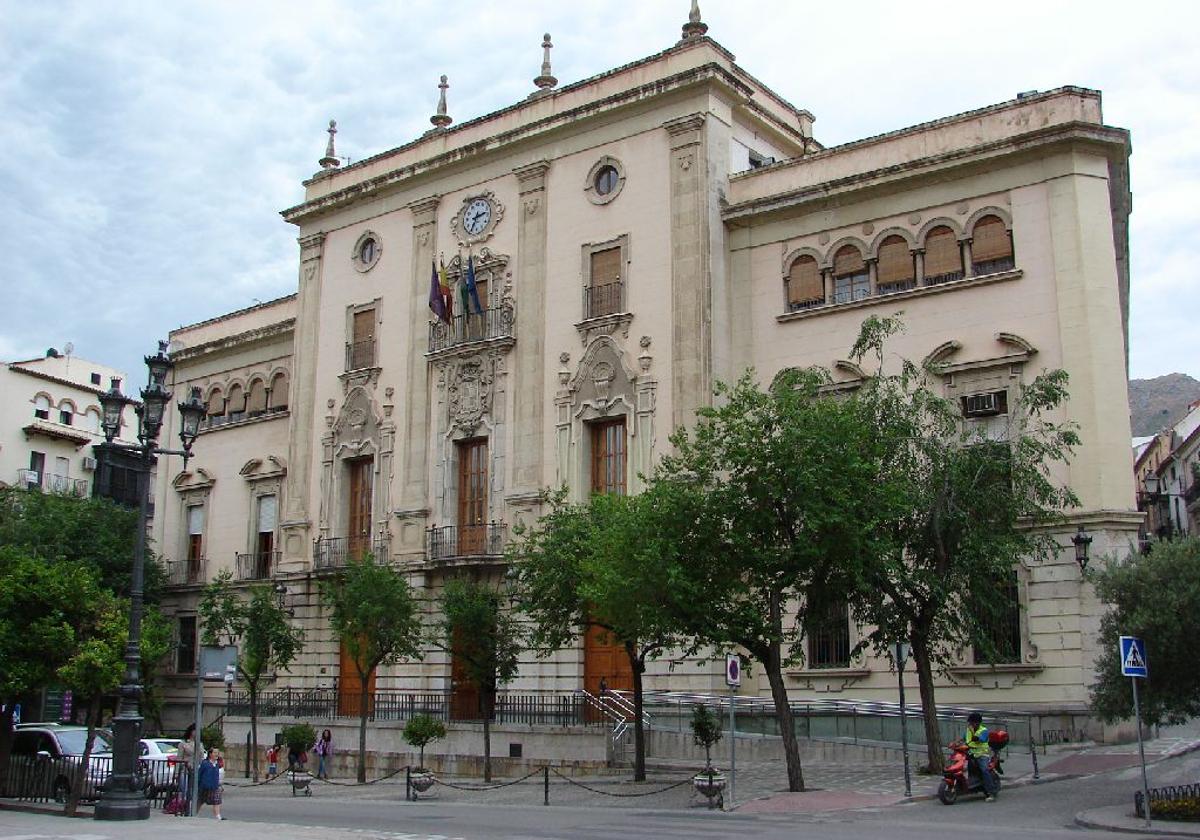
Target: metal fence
pixel 495 322
pixel 536 709
pixel 485 540
pixel 1174 793
pixel 40 778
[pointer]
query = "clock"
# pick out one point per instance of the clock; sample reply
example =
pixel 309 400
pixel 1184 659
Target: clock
pixel 476 216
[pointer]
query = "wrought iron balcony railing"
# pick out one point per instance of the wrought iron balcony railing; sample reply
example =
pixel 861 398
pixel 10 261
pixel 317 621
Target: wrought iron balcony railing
pixel 360 354
pixel 995 266
pixel 607 299
pixel 496 322
pixel 939 279
pixel 447 542
pixel 257 566
pixel 896 286
pixel 185 572
pixel 338 552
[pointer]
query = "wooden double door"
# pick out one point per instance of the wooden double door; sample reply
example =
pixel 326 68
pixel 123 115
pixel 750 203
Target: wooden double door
pixel 605 659
pixel 358 519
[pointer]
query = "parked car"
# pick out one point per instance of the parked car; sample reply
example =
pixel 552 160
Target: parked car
pixel 157 763
pixel 46 759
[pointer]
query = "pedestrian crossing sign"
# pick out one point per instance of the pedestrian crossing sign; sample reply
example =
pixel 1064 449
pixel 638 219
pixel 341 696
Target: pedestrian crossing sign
pixel 1133 657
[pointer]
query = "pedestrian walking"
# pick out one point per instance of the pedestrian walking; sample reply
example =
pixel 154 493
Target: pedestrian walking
pixel 211 772
pixel 273 762
pixel 187 752
pixel 324 750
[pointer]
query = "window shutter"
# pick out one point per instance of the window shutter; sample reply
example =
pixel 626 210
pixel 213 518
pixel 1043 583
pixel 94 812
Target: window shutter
pixel 895 261
pixel 266 514
pixel 364 326
pixel 990 240
pixel 257 402
pixel 237 400
pixel 804 281
pixel 216 403
pixel 848 260
pixel 279 391
pixel 195 520
pixel 606 266
pixel 942 255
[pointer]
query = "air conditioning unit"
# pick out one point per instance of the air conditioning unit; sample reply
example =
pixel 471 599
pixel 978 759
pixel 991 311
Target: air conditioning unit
pixel 89 463
pixel 985 405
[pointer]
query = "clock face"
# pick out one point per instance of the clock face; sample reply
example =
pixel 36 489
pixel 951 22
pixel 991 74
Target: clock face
pixel 477 216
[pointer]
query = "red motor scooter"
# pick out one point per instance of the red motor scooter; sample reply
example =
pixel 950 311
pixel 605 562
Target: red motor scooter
pixel 961 776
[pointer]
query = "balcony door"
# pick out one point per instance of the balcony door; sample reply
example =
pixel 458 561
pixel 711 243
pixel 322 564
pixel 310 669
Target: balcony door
pixel 472 496
pixel 358 520
pixel 464 692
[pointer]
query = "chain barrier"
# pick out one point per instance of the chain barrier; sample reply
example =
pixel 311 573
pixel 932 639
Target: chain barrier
pixel 569 780
pixel 488 787
pixel 285 774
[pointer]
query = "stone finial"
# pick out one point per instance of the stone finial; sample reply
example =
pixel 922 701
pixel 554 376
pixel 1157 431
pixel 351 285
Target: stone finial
pixel 694 28
pixel 545 81
pixel 441 119
pixel 330 161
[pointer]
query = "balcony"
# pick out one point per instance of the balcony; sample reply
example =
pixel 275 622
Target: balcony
pixel 257 566
pixel 60 484
pixel 603 301
pixel 898 286
pixel 947 277
pixel 995 266
pixel 185 572
pixel 360 354
pixel 337 552
pixel 492 324
pixel 466 542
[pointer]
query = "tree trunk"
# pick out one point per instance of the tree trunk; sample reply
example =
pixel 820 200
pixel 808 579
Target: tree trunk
pixel 485 702
pixel 93 715
pixel 362 730
pixel 933 734
pixel 6 733
pixel 637 666
pixel 253 757
pixel 783 715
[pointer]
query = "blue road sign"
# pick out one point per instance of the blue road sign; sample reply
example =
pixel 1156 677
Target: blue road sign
pixel 1133 657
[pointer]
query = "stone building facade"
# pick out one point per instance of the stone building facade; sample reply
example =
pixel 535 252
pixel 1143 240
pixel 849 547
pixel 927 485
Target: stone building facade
pixel 634 238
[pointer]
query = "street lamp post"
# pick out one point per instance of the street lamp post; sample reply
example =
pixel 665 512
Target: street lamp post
pixel 124 797
pixel 901 653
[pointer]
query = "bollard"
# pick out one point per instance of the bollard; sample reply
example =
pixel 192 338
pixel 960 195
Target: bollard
pixel 546 786
pixel 1033 754
pixel 408 784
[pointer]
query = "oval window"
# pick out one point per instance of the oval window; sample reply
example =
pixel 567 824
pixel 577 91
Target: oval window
pixel 606 179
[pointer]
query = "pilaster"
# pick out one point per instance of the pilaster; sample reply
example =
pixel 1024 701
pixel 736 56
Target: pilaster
pixel 296 521
pixel 530 357
pixel 691 380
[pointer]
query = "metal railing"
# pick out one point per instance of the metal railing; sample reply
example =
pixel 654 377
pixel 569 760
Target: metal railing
pixel 801 305
pixel 337 552
pixel 257 566
pixel 449 541
pixel 360 354
pixel 65 485
pixel 496 322
pixel 529 708
pixel 1173 793
pixel 185 572
pixel 940 279
pixel 995 266
pixel 40 778
pixel 606 299
pixel 896 286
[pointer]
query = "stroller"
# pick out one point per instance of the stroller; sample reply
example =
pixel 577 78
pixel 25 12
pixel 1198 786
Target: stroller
pixel 300 778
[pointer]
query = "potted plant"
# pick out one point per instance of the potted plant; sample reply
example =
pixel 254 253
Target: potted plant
pixel 298 737
pixel 419 731
pixel 706 731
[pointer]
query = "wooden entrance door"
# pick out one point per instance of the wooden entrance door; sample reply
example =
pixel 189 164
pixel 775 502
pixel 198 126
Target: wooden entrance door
pixel 464 692
pixel 358 530
pixel 604 658
pixel 472 497
pixel 350 686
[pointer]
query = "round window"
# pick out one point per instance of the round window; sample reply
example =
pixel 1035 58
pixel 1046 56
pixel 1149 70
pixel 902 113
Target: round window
pixel 606 179
pixel 366 251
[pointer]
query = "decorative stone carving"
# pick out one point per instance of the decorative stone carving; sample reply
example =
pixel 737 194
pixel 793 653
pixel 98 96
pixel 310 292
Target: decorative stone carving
pixel 823 239
pixel 868 228
pixel 914 218
pixel 461 236
pixel 469 391
pixel 644 341
pixel 961 208
pixel 564 358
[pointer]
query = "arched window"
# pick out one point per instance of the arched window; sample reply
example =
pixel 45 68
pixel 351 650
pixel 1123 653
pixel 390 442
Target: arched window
pixel 803 285
pixel 92 421
pixel 41 407
pixel 991 246
pixel 236 402
pixel 897 271
pixel 216 407
pixel 279 392
pixel 256 401
pixel 850 279
pixel 943 257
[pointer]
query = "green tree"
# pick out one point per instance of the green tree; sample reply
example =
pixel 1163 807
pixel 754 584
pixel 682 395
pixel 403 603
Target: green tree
pixel 97 532
pixel 260 628
pixel 610 564
pixel 479 631
pixel 155 644
pixel 1151 596
pixel 956 508
pixel 42 608
pixel 422 730
pixel 774 488
pixel 375 616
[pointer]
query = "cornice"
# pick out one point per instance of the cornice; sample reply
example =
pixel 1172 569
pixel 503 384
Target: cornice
pixel 710 74
pixel 236 341
pixel 58 380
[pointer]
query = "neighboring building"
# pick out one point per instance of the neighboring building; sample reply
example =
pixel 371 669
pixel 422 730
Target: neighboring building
pixel 51 421
pixel 1167 472
pixel 635 238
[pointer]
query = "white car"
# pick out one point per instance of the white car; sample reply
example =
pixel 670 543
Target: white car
pixel 157 762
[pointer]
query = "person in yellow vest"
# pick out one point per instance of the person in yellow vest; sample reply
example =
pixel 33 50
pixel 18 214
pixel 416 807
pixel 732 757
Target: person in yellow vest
pixel 980 753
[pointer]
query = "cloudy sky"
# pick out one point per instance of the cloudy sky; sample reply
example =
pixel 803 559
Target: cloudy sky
pixel 147 147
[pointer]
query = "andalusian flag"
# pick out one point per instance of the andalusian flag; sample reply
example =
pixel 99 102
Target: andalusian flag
pixel 444 285
pixel 472 289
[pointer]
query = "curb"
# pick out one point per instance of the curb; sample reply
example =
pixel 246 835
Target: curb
pixel 1158 829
